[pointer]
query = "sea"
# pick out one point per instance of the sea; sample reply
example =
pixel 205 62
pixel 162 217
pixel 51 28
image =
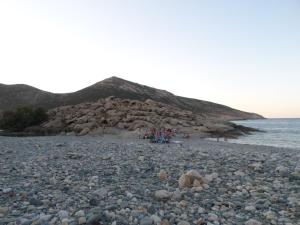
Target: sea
pixel 277 132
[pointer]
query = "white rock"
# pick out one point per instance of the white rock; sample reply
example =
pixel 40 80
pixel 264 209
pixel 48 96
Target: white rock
pixel 201 210
pixel 205 186
pixel 63 214
pixel 155 219
pixel 141 158
pixel 210 177
pixel 6 190
pixel 270 215
pixel 239 173
pixel 80 213
pixel 282 170
pixel 163 194
pixel 293 200
pixel 129 195
pixel 212 217
pixel 81 220
pixel 109 214
pixel 44 217
pixel 65 221
pixel 250 208
pixel 256 166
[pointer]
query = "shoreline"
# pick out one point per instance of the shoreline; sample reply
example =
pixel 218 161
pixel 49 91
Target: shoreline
pixel 229 141
pixel 278 132
pixel 134 137
pixel 71 180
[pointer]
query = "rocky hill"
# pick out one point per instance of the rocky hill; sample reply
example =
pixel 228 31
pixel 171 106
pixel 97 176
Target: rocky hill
pixel 119 115
pixel 13 96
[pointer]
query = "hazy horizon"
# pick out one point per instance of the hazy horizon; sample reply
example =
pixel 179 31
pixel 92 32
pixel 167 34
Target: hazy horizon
pixel 243 54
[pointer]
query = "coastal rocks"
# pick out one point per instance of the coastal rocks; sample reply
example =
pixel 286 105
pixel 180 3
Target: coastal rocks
pixel 190 179
pixel 250 208
pixel 3 211
pixel 111 181
pixel 295 175
pixel 270 215
pixel 35 202
pixel 81 220
pixel 130 115
pixel 80 213
pixel 62 214
pixel 64 221
pixel 210 177
pixel 163 195
pixel 84 131
pixel 93 202
pixel 282 171
pixel 146 221
pixel 7 191
pixel 163 175
pixel 256 166
pixel 150 220
pixel 94 220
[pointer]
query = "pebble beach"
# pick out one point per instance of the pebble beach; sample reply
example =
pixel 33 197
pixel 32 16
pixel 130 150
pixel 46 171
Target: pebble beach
pixel 105 180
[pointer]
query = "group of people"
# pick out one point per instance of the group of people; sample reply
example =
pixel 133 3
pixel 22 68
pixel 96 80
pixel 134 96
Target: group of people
pixel 159 135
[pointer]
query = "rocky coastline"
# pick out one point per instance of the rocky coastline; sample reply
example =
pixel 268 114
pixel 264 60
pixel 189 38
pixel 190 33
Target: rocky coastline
pixel 99 180
pixel 115 115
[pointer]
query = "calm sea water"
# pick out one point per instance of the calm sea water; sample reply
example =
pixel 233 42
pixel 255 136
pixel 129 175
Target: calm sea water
pixel 278 132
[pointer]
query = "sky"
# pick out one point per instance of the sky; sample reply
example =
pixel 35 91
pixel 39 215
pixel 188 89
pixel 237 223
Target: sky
pixel 244 54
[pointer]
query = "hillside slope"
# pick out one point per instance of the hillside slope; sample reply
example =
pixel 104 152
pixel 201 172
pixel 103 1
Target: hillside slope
pixel 12 96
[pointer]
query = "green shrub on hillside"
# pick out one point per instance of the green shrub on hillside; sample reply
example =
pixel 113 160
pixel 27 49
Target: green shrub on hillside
pixel 22 118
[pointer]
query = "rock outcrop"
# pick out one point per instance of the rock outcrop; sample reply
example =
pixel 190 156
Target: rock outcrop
pixel 130 115
pixel 190 179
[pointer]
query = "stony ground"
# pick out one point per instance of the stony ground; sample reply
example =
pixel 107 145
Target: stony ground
pixel 96 180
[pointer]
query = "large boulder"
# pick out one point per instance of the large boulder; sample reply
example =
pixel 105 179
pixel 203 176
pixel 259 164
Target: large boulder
pixel 190 179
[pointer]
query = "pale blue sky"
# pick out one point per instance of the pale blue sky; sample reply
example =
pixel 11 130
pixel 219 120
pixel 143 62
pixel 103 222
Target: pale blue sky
pixel 245 54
